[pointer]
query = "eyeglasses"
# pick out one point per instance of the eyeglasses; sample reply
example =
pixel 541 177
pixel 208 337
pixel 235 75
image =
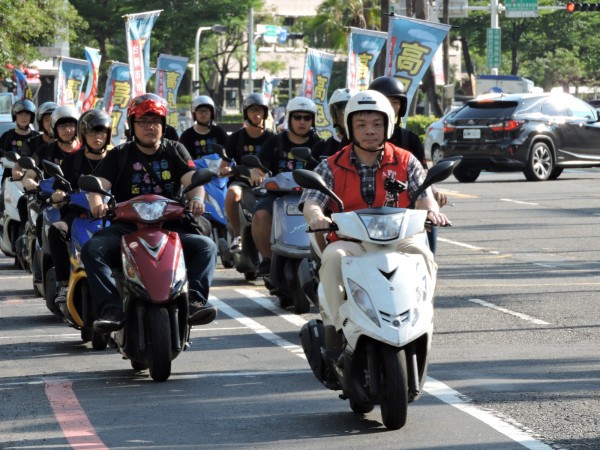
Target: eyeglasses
pixel 147 123
pixel 65 126
pixel 203 110
pixel 305 117
pixel 99 132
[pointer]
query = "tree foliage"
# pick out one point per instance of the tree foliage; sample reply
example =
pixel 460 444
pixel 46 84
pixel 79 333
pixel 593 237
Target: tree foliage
pixel 555 49
pixel 25 25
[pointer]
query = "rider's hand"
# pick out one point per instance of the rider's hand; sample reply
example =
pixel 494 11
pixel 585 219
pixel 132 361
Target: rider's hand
pixel 29 184
pixel 438 218
pixel 319 222
pixel 440 198
pixel 257 176
pixel 196 206
pixel 58 198
pixel 99 211
pixel 224 171
pixel 17 173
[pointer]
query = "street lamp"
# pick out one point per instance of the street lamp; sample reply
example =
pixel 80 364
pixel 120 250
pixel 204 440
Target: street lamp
pixel 214 28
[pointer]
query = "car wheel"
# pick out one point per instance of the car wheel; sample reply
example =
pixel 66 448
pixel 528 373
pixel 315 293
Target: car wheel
pixel 556 172
pixel 540 164
pixel 466 175
pixel 436 153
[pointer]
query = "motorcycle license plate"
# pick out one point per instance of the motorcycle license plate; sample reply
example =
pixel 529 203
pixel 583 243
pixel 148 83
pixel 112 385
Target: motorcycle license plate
pixel 472 133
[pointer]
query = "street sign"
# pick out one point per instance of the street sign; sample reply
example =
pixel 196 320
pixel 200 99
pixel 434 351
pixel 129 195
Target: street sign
pixel 521 8
pixel 253 58
pixel 283 35
pixel 493 47
pixel 270 33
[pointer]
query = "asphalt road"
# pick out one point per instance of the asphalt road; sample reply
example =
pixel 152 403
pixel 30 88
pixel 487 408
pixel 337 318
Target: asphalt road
pixel 515 360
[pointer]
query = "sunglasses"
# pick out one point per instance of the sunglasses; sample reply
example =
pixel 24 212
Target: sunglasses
pixel 305 117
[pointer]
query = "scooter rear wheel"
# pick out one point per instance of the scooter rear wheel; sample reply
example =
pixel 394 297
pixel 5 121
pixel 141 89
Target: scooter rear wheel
pixel 394 387
pixel 159 333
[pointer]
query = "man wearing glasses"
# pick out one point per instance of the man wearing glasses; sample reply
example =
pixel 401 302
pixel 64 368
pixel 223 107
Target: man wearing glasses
pixel 275 155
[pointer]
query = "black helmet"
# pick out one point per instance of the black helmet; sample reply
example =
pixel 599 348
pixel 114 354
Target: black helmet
pixel 391 87
pixel 44 109
pixel 94 119
pixel 255 100
pixel 24 105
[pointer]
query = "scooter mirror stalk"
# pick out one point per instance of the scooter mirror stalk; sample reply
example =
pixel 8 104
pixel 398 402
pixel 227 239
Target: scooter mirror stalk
pixel 439 172
pixel 91 183
pixel 311 180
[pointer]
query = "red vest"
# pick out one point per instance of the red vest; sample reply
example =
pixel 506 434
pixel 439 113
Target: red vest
pixel 346 180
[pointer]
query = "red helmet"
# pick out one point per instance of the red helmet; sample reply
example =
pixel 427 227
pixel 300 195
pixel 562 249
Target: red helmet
pixel 146 104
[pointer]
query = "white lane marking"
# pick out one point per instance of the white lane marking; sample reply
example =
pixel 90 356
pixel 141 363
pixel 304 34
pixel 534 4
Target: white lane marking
pixel 459 401
pixel 470 247
pixel 508 311
pixel 267 303
pixel 432 386
pixel 518 202
pixel 257 327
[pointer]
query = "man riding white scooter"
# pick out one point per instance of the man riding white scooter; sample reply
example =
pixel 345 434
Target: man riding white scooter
pixel 357 174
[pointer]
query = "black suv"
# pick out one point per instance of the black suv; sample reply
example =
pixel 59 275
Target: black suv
pixel 539 134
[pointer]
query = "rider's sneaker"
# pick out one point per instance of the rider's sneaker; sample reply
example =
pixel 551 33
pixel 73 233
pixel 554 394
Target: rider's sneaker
pixel 199 313
pixel 110 320
pixel 264 268
pixel 61 296
pixel 236 244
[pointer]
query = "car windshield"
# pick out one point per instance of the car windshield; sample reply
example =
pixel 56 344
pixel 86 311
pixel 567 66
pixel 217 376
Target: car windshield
pixel 486 110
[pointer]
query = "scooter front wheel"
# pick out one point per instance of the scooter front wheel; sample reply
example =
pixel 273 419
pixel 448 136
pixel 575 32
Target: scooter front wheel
pixel 394 387
pixel 160 344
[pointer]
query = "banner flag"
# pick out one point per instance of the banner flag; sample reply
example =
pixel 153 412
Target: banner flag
pixel 91 92
pixel 169 73
pixel 71 75
pixel 411 45
pixel 138 28
pixel 23 90
pixel 364 47
pixel 116 98
pixel 317 75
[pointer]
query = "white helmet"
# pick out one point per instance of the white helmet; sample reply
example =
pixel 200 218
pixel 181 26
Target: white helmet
pixel 369 101
pixel 300 104
pixel 204 100
pixel 338 100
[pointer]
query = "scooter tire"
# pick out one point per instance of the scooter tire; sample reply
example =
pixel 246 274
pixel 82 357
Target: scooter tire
pixel 99 341
pixel 301 303
pixel 250 276
pixel 160 348
pixel 394 387
pixel 360 408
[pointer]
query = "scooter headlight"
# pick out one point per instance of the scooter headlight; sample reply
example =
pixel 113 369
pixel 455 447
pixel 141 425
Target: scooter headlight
pixel 362 299
pixel 382 227
pixel 150 211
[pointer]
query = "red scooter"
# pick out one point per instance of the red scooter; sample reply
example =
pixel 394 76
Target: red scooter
pixel 153 282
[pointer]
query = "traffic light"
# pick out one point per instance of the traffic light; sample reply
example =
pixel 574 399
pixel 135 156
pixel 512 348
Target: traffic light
pixel 583 7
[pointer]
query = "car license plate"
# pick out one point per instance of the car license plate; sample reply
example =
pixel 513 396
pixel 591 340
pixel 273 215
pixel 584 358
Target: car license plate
pixel 472 133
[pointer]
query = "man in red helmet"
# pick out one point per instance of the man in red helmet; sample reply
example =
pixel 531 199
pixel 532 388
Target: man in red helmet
pixel 146 164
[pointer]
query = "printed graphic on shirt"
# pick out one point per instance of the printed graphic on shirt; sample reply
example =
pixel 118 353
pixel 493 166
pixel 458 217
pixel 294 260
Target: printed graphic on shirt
pixel 143 182
pixel 204 146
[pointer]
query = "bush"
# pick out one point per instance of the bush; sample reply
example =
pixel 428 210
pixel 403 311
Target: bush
pixel 418 124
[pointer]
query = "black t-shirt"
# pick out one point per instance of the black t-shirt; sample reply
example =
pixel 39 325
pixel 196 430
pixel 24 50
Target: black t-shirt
pixel 32 144
pixel 201 144
pixel 326 148
pixel 169 164
pixel 408 140
pixel 50 152
pixel 275 154
pixel 10 141
pixel 76 164
pixel 241 143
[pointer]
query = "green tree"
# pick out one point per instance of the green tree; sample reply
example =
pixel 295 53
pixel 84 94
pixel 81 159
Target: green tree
pixel 26 25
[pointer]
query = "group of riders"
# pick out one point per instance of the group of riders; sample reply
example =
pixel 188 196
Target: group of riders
pixel 370 144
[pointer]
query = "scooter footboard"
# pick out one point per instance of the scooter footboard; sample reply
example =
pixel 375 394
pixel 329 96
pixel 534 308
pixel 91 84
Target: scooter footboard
pixel 389 297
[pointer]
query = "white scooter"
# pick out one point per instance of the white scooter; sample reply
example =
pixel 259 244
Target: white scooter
pixel 10 222
pixel 388 315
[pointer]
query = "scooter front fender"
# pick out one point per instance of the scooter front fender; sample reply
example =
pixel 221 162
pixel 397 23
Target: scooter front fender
pixel 398 292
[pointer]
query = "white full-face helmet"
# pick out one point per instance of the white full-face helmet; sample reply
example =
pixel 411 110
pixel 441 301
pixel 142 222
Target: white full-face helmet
pixel 369 101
